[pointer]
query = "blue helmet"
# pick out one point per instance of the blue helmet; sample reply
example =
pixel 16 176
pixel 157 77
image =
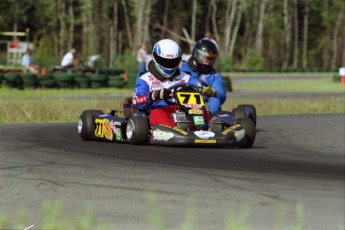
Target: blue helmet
pixel 166 57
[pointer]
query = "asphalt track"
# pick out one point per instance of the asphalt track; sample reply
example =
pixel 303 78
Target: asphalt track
pixel 293 177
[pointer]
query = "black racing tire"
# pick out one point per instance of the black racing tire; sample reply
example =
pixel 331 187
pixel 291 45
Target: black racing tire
pixel 239 113
pixel 252 110
pixel 86 124
pixel 137 130
pixel 249 128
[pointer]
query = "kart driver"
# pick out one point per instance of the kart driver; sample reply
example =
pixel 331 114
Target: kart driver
pixel 152 87
pixel 200 66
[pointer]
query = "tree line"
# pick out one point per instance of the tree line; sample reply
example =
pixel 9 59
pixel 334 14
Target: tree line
pixel 249 33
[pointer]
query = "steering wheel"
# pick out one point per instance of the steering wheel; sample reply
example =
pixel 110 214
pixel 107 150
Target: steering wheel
pixel 173 89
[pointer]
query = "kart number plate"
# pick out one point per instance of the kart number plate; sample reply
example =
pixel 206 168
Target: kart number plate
pixel 186 98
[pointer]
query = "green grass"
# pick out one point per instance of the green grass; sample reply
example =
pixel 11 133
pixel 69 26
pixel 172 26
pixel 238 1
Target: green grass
pixel 52 105
pixel 320 85
pixel 6 92
pixel 54 216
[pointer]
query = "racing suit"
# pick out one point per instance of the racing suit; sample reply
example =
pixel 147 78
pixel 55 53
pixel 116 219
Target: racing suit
pixel 152 81
pixel 212 79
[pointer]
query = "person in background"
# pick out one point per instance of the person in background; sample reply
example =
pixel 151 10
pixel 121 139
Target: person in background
pixel 28 62
pixel 68 59
pixel 200 66
pixel 151 88
pixel 141 59
pixel 15 43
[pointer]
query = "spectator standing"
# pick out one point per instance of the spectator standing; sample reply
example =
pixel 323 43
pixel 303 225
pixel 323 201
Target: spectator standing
pixel 142 58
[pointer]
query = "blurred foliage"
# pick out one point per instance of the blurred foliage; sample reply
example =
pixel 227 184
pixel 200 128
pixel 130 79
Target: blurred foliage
pixel 87 25
pixel 254 60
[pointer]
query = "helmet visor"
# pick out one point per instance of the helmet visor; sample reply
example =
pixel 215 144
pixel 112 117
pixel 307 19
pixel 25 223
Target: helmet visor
pixel 167 63
pixel 205 58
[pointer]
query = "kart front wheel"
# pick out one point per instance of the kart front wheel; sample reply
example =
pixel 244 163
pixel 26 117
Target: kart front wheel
pixel 86 124
pixel 137 130
pixel 249 128
pixel 250 111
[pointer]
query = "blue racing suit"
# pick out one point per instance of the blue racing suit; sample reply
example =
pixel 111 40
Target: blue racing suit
pixel 212 79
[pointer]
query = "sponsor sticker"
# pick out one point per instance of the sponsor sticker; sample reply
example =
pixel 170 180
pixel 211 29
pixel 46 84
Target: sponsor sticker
pixel 180 131
pixel 162 135
pixel 118 134
pixel 224 115
pixel 204 134
pixel 228 130
pixel 195 111
pixel 142 99
pixel 205 141
pixel 107 130
pixel 240 134
pixel 177 129
pixel 192 106
pixel 198 120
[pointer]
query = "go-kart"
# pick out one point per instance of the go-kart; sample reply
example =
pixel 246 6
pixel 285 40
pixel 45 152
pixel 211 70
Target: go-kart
pixel 85 68
pixel 62 69
pixel 236 128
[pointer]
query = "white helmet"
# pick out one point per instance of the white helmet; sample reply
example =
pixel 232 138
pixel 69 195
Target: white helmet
pixel 166 57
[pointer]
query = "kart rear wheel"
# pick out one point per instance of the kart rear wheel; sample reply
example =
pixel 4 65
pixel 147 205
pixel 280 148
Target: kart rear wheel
pixel 86 124
pixel 251 109
pixel 137 130
pixel 239 113
pixel 249 128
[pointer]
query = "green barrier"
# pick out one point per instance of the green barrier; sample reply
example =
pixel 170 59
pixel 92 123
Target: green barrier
pixel 46 81
pixel 28 80
pixel 116 81
pixel 64 80
pixel 98 81
pixel 82 81
pixel 98 78
pixel 12 80
pixel 97 84
pixel 131 79
pixel 109 71
pixel 1 79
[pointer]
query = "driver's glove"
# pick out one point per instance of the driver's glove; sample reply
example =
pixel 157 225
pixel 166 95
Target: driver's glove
pixel 209 91
pixel 161 94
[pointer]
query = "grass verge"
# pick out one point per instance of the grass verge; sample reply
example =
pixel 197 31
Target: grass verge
pixel 52 105
pixel 54 216
pixel 312 85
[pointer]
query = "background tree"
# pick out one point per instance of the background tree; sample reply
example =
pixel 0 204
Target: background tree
pixel 261 33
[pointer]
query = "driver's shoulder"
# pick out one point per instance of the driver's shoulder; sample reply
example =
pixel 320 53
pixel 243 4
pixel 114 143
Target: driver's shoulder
pixel 148 77
pixel 183 76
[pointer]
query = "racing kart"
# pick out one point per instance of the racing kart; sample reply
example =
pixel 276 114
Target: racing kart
pixel 62 69
pixel 87 67
pixel 235 128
